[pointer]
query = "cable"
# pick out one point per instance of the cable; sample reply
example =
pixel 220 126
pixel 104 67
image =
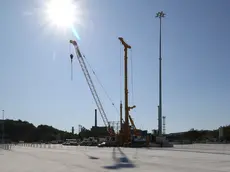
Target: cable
pixel 120 74
pixel 71 58
pixel 120 81
pixel 131 59
pixel 101 85
pixel 71 69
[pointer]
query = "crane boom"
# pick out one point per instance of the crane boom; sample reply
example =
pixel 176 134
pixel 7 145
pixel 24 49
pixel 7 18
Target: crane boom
pixel 90 84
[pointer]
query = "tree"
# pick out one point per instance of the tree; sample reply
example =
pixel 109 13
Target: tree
pixel 25 131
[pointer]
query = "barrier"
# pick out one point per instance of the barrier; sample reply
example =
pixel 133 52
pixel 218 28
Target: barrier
pixel 198 148
pixel 5 146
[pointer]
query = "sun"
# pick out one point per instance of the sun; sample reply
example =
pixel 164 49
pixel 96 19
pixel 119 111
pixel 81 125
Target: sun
pixel 61 13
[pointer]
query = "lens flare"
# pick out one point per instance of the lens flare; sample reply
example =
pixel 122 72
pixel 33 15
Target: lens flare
pixel 63 14
pixel 75 33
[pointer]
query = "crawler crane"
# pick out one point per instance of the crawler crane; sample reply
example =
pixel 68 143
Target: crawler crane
pixel 91 87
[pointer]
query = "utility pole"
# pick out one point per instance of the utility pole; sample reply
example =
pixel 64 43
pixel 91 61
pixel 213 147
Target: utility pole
pixel 121 130
pixel 3 127
pixel 164 129
pixel 79 129
pixel 95 118
pixel 126 129
pixel 160 15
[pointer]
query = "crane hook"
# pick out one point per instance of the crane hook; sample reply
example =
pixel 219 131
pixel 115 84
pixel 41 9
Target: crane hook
pixel 71 58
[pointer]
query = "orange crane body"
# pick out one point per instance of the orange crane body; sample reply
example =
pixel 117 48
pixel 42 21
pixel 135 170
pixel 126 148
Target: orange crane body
pixel 126 130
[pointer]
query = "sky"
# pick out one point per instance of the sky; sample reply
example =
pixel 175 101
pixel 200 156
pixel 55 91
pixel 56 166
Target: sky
pixel 35 69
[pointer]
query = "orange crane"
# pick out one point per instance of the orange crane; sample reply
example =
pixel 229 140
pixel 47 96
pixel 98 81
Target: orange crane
pixel 91 86
pixel 125 130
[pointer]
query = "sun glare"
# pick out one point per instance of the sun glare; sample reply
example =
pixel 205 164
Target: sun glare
pixel 61 13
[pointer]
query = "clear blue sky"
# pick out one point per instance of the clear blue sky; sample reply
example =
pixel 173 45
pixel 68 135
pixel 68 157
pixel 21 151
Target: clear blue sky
pixel 35 66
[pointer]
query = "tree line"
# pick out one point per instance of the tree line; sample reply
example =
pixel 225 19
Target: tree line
pixel 194 135
pixel 18 130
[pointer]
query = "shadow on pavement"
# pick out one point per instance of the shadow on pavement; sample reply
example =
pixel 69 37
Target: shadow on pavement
pixel 121 162
pixel 92 157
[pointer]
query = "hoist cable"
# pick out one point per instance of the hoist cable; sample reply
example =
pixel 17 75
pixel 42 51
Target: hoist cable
pixel 131 59
pixel 120 73
pixel 101 84
pixel 71 70
pixel 71 65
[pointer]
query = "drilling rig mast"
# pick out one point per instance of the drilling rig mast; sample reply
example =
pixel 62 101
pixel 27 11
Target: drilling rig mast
pixel 126 130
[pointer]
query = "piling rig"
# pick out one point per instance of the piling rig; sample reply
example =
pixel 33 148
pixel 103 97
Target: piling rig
pixel 127 130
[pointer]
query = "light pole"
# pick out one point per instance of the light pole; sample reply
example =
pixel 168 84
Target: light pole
pixel 160 15
pixel 3 128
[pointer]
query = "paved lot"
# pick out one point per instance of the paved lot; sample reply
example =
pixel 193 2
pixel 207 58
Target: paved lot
pixel 57 158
